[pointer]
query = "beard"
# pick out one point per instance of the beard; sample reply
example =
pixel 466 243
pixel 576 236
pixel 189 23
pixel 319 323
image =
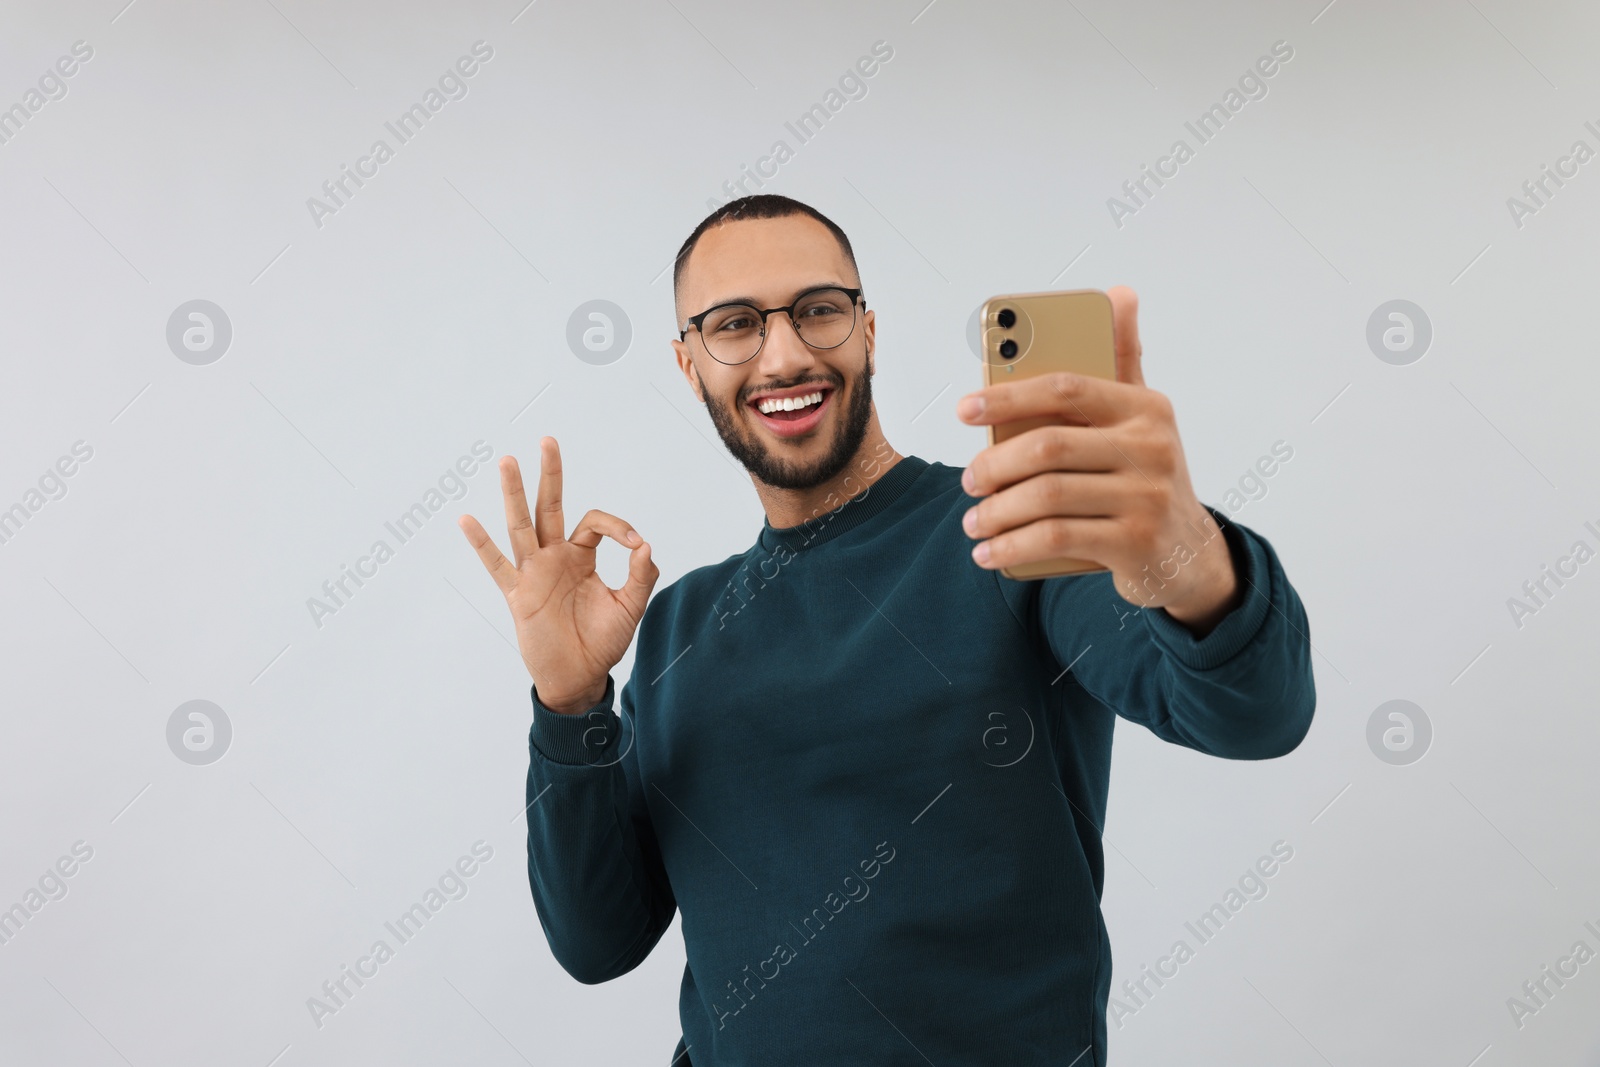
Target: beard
pixel 849 433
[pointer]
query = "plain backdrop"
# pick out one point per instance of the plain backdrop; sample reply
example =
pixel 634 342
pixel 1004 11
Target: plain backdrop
pixel 373 346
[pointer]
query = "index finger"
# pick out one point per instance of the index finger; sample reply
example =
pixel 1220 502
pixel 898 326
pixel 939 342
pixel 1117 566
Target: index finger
pixel 1078 398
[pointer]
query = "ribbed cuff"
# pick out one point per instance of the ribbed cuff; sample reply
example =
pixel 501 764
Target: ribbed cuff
pixel 579 740
pixel 1239 626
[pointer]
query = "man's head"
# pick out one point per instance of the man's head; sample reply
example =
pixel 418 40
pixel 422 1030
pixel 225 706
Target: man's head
pixel 766 251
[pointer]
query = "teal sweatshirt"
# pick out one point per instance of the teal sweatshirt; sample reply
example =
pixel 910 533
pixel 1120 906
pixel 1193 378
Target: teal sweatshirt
pixel 872 776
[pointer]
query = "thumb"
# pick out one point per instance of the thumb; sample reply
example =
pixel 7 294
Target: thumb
pixel 1125 329
pixel 642 575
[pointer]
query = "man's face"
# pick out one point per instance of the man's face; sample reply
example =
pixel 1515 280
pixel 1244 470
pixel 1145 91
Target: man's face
pixel 767 263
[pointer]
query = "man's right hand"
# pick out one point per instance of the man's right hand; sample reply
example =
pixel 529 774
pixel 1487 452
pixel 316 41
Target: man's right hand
pixel 571 628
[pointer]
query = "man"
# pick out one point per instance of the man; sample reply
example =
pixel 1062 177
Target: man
pixel 868 767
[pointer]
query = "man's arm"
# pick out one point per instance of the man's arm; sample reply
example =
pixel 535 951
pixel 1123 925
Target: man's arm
pixel 1244 690
pixel 595 868
pixel 1218 657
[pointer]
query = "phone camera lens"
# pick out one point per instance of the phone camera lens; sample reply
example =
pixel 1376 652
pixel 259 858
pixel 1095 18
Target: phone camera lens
pixel 1007 318
pixel 1008 349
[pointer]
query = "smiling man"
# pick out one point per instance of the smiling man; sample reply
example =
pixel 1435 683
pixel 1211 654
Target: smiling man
pixel 868 768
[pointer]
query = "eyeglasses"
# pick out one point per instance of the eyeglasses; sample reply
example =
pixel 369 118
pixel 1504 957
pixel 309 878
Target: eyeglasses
pixel 733 333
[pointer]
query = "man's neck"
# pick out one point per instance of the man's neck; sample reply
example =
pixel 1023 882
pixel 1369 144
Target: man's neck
pixel 791 507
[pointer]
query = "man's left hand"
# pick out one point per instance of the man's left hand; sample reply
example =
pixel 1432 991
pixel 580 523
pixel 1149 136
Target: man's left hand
pixel 1109 485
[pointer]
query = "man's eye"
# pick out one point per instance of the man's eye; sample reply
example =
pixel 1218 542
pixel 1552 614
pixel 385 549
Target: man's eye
pixel 823 310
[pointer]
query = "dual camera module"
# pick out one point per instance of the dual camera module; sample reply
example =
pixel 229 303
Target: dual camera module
pixel 1005 319
pixel 1001 331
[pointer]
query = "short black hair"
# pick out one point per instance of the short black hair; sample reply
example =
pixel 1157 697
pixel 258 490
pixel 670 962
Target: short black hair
pixel 760 206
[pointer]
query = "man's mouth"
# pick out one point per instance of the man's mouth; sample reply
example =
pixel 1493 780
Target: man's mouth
pixel 795 413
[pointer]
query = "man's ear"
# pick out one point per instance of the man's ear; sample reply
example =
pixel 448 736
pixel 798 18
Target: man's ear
pixel 871 324
pixel 687 367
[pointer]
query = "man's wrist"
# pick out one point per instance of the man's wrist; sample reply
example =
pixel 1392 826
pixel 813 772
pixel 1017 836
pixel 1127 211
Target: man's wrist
pixel 576 705
pixel 1204 616
pixel 1217 590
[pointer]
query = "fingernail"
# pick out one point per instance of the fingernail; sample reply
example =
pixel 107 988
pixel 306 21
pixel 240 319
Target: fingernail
pixel 981 553
pixel 966 479
pixel 970 407
pixel 634 538
pixel 969 521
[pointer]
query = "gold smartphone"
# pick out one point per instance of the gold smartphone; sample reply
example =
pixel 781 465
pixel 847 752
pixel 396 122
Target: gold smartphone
pixel 1025 335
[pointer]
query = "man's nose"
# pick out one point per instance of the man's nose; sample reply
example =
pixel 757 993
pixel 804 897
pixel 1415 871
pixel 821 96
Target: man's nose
pixel 783 352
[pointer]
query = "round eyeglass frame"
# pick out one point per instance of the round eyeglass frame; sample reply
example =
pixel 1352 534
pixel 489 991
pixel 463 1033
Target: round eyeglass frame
pixel 696 321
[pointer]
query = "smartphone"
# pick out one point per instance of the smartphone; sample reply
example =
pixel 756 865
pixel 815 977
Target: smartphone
pixel 1028 334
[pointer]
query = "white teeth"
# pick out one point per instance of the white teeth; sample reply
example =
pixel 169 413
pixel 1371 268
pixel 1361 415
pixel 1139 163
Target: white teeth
pixel 789 403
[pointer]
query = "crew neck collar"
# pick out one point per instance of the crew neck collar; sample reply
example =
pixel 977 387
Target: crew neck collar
pixel 847 516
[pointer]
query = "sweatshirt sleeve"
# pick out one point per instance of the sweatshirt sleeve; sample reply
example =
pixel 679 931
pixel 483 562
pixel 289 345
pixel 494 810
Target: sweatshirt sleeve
pixel 595 868
pixel 1243 691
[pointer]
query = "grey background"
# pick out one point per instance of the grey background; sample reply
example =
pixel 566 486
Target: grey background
pixel 431 312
